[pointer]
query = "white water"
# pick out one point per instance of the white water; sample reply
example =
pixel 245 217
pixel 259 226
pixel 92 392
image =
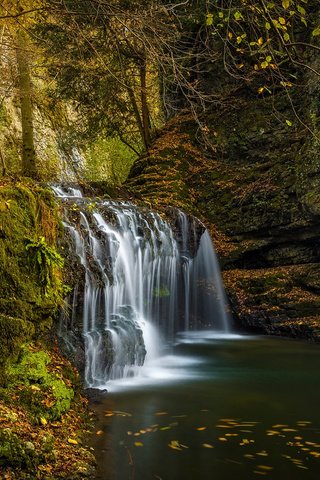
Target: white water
pixel 142 277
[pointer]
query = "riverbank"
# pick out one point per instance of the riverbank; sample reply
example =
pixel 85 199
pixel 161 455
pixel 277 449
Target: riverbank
pixel 45 421
pixel 44 417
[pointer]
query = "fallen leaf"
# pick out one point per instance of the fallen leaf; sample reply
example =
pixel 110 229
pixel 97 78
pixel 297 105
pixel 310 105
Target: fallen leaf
pixel 72 441
pixel 265 467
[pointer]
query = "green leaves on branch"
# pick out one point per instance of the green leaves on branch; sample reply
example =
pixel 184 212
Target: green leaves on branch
pixel 286 3
pixel 209 19
pixel 259 36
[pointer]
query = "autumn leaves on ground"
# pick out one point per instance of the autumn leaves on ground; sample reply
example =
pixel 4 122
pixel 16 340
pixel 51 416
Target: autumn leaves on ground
pixel 44 419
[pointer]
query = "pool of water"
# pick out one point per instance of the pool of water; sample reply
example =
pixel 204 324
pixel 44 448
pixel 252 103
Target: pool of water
pixel 215 407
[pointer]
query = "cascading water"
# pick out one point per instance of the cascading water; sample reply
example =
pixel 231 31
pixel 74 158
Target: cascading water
pixel 142 276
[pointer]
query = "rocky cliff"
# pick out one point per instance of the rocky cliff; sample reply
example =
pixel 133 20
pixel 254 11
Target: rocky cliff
pixel 254 178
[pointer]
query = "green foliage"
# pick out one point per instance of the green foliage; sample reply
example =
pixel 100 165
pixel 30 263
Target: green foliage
pixel 45 395
pixel 31 285
pixel 14 332
pixel 31 279
pixel 17 453
pixel 108 159
pixel 103 67
pixel 261 39
pixel 46 259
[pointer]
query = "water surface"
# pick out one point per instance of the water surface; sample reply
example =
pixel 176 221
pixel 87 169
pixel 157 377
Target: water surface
pixel 215 407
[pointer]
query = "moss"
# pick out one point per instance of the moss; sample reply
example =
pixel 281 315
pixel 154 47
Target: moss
pixel 14 331
pixel 17 453
pixel 45 395
pixel 27 216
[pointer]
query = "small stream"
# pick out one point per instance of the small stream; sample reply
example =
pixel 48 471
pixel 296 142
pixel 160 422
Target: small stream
pixel 220 407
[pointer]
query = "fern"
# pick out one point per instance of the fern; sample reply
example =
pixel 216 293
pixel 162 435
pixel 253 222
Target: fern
pixel 46 259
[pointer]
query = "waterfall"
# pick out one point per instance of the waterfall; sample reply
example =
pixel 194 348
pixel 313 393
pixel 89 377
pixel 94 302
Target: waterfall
pixel 140 278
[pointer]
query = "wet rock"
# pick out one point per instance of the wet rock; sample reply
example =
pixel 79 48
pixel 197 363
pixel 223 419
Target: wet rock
pixel 96 395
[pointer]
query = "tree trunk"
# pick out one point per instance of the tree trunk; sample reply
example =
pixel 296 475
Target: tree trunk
pixel 3 164
pixel 144 105
pixel 25 93
pixel 137 115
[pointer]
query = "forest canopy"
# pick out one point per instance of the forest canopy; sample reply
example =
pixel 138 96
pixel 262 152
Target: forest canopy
pixel 100 71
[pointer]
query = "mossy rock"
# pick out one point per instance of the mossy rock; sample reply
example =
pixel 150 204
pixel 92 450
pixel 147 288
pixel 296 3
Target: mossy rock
pixel 44 393
pixel 17 453
pixel 14 332
pixel 30 289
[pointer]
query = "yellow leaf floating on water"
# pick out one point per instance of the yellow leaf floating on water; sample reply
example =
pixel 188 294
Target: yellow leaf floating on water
pixel 279 425
pixel 245 441
pixel 175 445
pixel 223 439
pixel 207 445
pixel 161 413
pixel 265 467
pixel 315 454
pixel 201 428
pixel 138 444
pixel 120 413
pixel 43 421
pixel 99 432
pixel 263 454
pixel 72 441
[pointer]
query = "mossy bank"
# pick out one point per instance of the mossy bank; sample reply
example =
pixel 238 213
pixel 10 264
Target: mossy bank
pixel 43 417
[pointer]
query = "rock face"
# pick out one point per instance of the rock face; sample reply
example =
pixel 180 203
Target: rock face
pixel 257 183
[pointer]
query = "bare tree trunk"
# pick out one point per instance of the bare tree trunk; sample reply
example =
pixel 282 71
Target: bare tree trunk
pixel 137 115
pixel 144 105
pixel 25 93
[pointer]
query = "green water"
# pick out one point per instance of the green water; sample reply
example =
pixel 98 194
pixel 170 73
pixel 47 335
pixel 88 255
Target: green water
pixel 222 409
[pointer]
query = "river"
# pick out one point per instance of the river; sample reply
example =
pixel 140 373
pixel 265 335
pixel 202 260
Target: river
pixel 220 407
